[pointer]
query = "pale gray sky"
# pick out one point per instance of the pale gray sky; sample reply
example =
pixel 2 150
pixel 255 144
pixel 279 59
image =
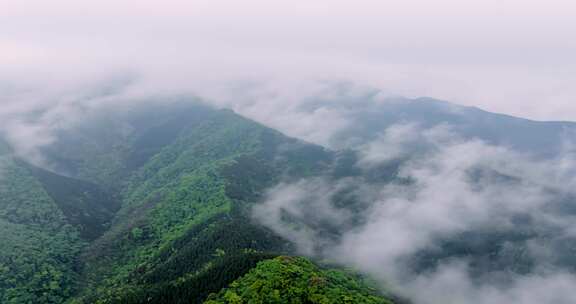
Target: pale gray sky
pixel 512 56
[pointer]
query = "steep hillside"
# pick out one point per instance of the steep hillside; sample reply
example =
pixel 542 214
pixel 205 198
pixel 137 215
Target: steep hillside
pixel 187 179
pixel 43 229
pixel 85 205
pixel 179 181
pixel 106 146
pixel 295 280
pixel 153 203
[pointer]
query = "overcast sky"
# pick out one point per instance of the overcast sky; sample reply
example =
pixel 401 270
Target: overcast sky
pixel 511 56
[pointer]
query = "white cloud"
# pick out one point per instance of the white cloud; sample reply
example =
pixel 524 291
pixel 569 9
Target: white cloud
pixel 456 186
pixel 507 56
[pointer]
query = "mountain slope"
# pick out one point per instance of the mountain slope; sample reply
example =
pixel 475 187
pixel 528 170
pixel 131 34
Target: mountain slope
pixel 370 118
pixel 154 203
pixel 85 205
pixel 186 176
pixel 46 219
pixel 187 207
pixel 295 280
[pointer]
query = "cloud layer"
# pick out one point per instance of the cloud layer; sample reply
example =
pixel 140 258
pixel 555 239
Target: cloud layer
pixel 513 56
pixel 509 213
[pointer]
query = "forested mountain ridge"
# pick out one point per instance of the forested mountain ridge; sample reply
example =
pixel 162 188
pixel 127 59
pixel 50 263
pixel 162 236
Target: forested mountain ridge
pixel 154 203
pixel 146 204
pixel 295 280
pixel 187 205
pixel 46 220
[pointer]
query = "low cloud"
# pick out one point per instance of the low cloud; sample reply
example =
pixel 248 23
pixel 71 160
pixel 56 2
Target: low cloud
pixel 448 188
pixel 316 111
pixel 449 192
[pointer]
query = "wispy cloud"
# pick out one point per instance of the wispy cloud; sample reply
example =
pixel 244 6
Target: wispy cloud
pixel 450 189
pixel 513 57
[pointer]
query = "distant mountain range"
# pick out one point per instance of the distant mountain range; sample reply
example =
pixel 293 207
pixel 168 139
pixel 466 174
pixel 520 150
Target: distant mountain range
pixel 370 119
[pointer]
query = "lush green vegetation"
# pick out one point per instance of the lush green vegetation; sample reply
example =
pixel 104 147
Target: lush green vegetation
pixel 295 280
pixel 179 182
pixel 194 288
pixel 152 204
pixel 185 208
pixel 177 190
pixel 38 246
pixel 85 205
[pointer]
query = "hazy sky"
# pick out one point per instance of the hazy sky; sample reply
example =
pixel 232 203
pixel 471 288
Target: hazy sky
pixel 512 56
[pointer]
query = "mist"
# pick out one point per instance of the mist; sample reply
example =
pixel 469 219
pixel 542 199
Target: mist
pixel 513 57
pixel 452 189
pixel 450 186
pixel 309 69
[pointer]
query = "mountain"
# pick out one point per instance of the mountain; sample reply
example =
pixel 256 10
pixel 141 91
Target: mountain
pixel 46 220
pixel 285 279
pixel 369 118
pixel 153 203
pixel 149 203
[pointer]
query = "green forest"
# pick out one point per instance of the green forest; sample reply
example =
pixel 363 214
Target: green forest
pixel 160 214
pixel 295 280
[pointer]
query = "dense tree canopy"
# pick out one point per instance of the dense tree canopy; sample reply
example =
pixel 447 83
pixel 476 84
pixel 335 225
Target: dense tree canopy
pixel 154 207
